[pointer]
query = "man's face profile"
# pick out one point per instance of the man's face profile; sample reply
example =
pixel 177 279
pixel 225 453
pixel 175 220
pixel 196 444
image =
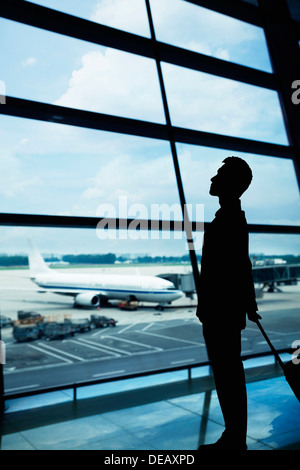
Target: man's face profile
pixel 219 182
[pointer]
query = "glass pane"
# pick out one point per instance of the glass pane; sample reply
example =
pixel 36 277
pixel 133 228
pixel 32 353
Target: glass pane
pixel 208 103
pixel 84 172
pixel 276 266
pixel 276 272
pixel 201 30
pixel 146 335
pixel 127 15
pixel 275 248
pixel 272 198
pixel 144 338
pixel 60 70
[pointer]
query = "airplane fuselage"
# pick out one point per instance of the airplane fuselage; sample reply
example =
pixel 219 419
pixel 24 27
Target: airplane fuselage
pixel 112 286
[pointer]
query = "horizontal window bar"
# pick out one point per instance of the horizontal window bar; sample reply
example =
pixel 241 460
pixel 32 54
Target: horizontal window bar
pixel 61 221
pixel 240 10
pixel 239 144
pixel 33 220
pixel 234 8
pixel 75 117
pixel 63 23
pixel 204 63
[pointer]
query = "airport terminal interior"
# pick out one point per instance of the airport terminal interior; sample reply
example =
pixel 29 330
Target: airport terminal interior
pixel 114 116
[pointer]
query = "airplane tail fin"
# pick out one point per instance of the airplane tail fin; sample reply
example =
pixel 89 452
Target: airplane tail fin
pixel 37 264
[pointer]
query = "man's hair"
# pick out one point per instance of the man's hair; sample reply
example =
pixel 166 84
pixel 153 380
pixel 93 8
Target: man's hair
pixel 240 174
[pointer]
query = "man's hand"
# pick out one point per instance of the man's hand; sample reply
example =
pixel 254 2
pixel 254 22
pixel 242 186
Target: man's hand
pixel 253 316
pixel 198 313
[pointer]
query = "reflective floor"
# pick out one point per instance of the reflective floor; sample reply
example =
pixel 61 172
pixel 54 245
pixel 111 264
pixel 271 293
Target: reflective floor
pixel 137 420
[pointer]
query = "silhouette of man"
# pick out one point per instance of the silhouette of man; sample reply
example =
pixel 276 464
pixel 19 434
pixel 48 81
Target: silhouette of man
pixel 225 296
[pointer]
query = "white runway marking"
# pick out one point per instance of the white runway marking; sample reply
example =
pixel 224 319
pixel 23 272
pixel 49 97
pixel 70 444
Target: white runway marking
pixel 94 346
pixel 49 353
pixel 139 344
pixel 126 328
pixel 105 347
pixel 61 352
pixel 148 326
pixel 170 338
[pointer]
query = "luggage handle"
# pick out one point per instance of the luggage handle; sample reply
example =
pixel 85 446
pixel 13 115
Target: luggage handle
pixel 270 344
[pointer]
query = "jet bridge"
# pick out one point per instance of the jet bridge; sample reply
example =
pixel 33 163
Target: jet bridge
pixel 274 275
pixel 268 276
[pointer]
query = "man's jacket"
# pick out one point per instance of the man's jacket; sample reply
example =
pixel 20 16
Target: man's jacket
pixel 225 290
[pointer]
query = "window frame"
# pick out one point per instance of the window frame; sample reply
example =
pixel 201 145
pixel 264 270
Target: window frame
pixel 266 15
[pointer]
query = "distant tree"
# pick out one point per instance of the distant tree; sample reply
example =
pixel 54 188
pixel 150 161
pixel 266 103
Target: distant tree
pixel 13 260
pixel 108 258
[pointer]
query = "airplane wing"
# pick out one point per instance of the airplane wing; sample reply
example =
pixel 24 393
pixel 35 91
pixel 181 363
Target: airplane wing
pixel 71 292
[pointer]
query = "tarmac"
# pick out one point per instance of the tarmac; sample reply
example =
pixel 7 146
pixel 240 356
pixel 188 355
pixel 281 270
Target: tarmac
pixel 144 339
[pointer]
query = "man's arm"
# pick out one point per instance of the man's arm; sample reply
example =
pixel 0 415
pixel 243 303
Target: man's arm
pixel 251 305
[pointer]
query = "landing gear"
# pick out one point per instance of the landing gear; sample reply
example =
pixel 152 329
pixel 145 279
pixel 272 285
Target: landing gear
pixel 160 307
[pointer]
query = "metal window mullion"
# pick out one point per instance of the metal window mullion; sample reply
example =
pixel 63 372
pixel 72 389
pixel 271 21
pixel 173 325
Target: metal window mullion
pixel 186 221
pixel 285 57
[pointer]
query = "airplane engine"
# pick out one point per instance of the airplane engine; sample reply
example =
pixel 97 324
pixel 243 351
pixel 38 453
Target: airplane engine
pixel 87 299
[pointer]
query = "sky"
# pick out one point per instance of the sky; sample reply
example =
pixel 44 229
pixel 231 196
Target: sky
pixel 64 170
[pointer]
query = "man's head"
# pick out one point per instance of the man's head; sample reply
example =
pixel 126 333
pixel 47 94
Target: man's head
pixel 232 179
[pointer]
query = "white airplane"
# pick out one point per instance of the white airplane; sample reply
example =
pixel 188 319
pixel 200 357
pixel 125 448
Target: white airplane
pixel 89 289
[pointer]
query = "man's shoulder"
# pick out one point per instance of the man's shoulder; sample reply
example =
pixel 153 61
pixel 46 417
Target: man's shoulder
pixel 237 216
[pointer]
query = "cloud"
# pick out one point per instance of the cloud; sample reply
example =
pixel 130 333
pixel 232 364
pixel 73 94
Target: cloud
pixel 126 180
pixel 118 83
pixel 272 198
pixel 128 15
pixel 205 102
pixel 115 82
pixel 188 26
pixel 29 62
pixel 13 180
pixel 199 29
